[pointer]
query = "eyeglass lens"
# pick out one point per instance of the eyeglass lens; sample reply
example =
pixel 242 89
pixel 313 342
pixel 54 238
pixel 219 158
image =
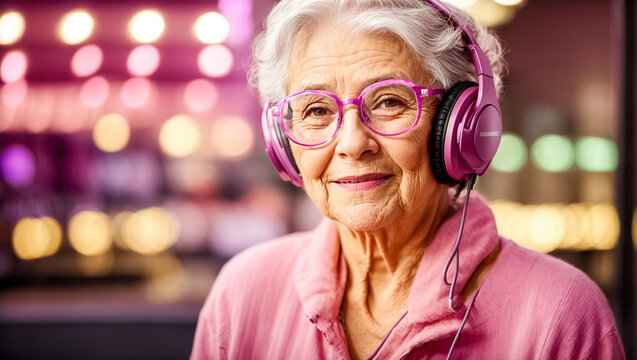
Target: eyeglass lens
pixel 311 118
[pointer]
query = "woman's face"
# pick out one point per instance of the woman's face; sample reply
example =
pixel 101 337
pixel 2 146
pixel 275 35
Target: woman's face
pixel 361 179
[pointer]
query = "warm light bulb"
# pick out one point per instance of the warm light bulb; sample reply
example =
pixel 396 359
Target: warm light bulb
pixel 146 26
pixel 11 27
pixel 76 26
pixel 212 28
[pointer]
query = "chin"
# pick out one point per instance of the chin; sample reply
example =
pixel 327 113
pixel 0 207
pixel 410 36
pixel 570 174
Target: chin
pixel 364 217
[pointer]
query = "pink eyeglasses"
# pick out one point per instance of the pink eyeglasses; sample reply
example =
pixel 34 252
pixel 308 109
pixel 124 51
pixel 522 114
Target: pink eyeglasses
pixel 388 108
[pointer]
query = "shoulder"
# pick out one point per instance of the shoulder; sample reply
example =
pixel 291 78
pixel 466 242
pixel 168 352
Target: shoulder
pixel 570 309
pixel 549 277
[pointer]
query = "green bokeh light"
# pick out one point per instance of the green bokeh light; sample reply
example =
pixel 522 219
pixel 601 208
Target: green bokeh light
pixel 596 154
pixel 511 155
pixel 553 153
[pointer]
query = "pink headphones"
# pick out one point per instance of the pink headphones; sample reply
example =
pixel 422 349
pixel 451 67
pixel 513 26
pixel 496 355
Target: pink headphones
pixel 465 132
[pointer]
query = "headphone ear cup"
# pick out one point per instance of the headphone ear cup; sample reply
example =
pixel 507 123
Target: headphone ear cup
pixel 286 145
pixel 439 128
pixel 277 146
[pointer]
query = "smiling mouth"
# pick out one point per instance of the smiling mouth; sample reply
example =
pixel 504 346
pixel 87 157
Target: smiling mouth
pixel 362 178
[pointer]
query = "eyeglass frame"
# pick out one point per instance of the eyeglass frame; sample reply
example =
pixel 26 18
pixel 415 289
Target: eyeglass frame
pixel 421 92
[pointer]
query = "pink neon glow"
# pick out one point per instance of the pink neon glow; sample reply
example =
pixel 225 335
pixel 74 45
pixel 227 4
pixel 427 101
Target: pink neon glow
pixel 135 92
pixel 14 66
pixel 13 94
pixel 239 15
pixel 215 61
pixel 95 92
pixel 200 95
pixel 143 60
pixel 87 60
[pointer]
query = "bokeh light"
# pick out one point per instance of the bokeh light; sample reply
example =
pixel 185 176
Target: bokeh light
pixel 200 95
pixel 511 155
pixel 87 60
pixel 553 153
pixel 150 231
pixel 18 165
pixel 215 61
pixel 211 28
pixel 136 92
pixel 76 26
pixel 14 94
pixel 143 60
pixel 117 228
pixel 89 233
pixel 509 2
pixel 463 4
pixel 146 26
pixel 94 92
pixel 111 133
pixel 35 238
pixel 179 136
pixel 11 27
pixel 546 227
pixel 232 138
pixel 602 226
pixel 596 154
pixel 14 66
pixel 490 13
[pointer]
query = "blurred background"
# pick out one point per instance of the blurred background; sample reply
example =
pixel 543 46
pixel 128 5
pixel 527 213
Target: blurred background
pixel 132 163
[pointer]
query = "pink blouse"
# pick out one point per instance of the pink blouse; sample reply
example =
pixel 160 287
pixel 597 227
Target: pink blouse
pixel 280 300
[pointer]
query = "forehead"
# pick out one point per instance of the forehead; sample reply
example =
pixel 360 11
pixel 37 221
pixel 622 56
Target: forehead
pixel 333 60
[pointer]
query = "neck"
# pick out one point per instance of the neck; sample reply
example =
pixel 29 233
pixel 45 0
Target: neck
pixel 383 263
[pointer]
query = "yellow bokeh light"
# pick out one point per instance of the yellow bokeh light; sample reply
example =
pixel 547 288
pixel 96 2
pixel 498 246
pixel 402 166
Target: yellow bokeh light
pixel 211 28
pixel 491 13
pixel 509 2
pixel 35 238
pixel 573 215
pixel 546 228
pixel 76 26
pixel 89 233
pixel 602 226
pixel 150 231
pixel 111 133
pixel 146 26
pixel 11 27
pixel 179 136
pixel 117 228
pixel 232 138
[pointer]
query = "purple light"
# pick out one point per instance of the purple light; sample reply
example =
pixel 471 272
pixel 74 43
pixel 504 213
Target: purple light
pixel 18 165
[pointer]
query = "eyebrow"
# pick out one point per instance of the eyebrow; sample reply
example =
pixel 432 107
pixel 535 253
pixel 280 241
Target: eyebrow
pixel 326 87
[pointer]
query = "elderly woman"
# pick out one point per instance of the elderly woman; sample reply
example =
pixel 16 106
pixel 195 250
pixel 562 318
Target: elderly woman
pixel 378 108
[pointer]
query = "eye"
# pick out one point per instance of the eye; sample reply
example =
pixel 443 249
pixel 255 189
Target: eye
pixel 390 101
pixel 317 111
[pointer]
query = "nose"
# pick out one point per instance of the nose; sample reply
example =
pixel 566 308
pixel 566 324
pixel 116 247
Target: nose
pixel 355 140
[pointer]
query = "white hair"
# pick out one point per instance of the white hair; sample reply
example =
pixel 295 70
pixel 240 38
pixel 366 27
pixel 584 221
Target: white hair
pixel 430 35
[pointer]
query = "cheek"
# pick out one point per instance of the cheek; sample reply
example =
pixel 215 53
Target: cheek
pixel 311 162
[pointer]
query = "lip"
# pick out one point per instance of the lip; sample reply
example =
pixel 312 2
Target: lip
pixel 362 182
